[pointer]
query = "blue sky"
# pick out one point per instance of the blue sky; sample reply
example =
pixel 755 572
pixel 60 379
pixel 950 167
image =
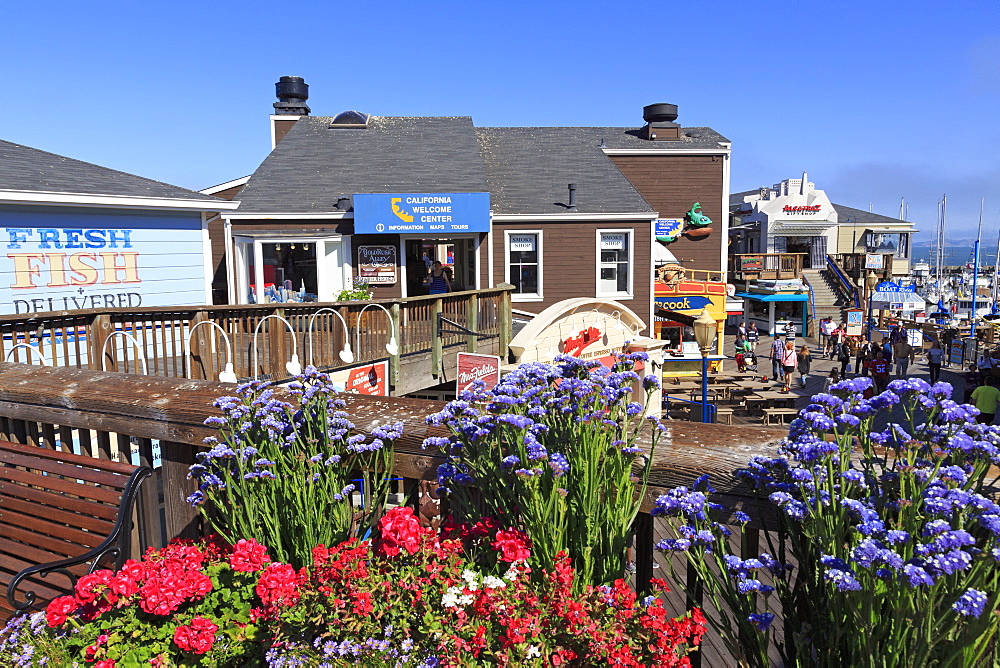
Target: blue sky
pixel 876 100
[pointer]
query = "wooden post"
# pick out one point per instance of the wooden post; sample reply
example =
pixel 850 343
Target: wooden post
pixel 201 353
pixel 506 319
pixel 277 350
pixel 150 530
pixel 472 322
pixel 394 312
pixel 643 528
pixel 97 333
pixel 437 342
pixel 181 519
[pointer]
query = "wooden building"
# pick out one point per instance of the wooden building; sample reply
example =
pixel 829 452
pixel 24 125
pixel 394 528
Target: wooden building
pixel 559 212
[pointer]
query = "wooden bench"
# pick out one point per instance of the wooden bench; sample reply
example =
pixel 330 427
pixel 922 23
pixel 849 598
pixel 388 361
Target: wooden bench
pixel 779 413
pixel 61 514
pixel 723 415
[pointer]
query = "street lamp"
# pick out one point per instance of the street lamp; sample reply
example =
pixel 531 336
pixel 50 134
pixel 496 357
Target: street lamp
pixel 705 329
pixel 870 282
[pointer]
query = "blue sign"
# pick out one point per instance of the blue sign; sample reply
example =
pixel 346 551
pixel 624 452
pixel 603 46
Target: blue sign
pixel 686 303
pixel 889 286
pixel 416 213
pixel 668 229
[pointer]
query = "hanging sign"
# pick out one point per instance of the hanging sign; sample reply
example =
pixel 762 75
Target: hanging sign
pixel 473 367
pixel 668 229
pixel 377 264
pixel 370 379
pixel 751 262
pixel 874 261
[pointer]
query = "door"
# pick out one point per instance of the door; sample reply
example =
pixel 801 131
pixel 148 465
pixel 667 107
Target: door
pixel 330 269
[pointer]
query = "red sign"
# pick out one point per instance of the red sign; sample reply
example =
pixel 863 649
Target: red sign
pixel 574 345
pixel 802 209
pixel 371 379
pixel 473 367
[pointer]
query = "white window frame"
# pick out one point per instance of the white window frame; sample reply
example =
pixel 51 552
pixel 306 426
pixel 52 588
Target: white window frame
pixel 630 235
pixel 523 296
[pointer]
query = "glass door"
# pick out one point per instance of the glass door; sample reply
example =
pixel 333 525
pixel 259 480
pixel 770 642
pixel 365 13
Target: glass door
pixel 330 269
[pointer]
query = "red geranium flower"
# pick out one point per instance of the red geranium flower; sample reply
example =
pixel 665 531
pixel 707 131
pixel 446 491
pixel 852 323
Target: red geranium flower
pixel 197 637
pixel 248 555
pixel 514 545
pixel 399 528
pixel 58 609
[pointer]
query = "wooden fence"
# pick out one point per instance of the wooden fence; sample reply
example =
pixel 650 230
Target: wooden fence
pixel 257 340
pixel 157 420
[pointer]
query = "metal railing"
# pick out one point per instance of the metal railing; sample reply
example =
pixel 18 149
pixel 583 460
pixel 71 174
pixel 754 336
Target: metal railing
pixel 847 288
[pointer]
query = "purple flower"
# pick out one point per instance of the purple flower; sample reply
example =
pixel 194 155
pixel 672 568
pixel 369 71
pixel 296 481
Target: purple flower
pixel 971 603
pixel 762 620
pixel 559 464
pixel 842 580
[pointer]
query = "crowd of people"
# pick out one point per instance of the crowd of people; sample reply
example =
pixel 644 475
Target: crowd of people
pixel 880 360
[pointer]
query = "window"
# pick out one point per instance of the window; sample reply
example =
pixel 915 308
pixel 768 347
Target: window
pixel 524 266
pixel 879 242
pixel 614 270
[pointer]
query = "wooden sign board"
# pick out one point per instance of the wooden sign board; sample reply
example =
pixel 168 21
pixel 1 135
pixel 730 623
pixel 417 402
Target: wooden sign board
pixel 377 264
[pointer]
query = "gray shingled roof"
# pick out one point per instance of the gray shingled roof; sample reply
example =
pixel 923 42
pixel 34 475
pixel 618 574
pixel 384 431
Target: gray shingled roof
pixel 529 170
pixel 629 138
pixel 29 169
pixel 315 164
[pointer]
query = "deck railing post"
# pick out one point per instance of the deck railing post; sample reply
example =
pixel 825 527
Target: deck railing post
pixel 394 313
pixel 643 529
pixel 472 323
pixel 181 520
pixel 506 318
pixel 437 342
pixel 98 332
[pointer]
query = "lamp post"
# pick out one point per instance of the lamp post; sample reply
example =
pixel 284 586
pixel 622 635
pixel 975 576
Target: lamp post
pixel 870 282
pixel 705 329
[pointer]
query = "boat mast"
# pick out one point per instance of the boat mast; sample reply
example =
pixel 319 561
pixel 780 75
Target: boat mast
pixel 975 270
pixel 996 271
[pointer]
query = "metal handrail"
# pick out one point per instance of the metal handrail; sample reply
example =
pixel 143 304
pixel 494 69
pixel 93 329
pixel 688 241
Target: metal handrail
pixel 850 288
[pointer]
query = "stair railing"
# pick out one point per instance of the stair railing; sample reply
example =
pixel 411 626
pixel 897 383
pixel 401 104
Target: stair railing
pixel 846 286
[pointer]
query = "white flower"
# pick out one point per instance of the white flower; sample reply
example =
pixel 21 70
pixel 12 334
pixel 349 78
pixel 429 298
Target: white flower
pixel 534 652
pixel 491 582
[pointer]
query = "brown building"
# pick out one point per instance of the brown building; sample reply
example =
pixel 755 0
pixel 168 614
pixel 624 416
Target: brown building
pixel 558 212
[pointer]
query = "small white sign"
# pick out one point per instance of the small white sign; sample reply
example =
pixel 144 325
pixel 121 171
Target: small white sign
pixel 522 242
pixel 613 241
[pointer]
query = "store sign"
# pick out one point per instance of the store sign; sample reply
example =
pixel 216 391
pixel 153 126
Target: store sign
pixel 956 354
pixel 668 229
pixel 802 209
pixel 523 243
pixel 874 261
pixel 99 259
pixel 377 264
pixel 889 286
pixel 473 367
pixel 370 379
pixel 414 213
pixel 752 263
pixel 613 241
pixel 687 303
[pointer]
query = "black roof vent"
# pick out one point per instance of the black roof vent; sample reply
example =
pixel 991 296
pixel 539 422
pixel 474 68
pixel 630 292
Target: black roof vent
pixel 661 112
pixel 292 93
pixel 349 118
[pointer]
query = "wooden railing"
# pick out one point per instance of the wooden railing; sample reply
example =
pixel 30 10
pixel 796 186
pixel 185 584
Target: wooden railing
pixel 767 266
pixel 157 420
pixel 853 264
pixel 199 341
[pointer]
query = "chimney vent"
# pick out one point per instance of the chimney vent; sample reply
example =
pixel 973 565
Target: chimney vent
pixel 660 124
pixel 572 197
pixel 292 93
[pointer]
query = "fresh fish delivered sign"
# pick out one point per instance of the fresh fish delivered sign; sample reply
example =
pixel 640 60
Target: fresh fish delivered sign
pixel 59 260
pixel 415 213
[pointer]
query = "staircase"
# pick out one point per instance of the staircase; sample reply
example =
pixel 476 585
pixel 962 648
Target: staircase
pixel 826 299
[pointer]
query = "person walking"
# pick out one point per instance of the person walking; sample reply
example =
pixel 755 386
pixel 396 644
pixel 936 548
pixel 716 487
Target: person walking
pixel 788 361
pixel 935 357
pixel 753 336
pixel 879 368
pixel 437 281
pixel 902 352
pixel 832 380
pixel 866 353
pixel 804 361
pixel 741 331
pixel 777 353
pixel 985 398
pixel 843 352
pixel 826 328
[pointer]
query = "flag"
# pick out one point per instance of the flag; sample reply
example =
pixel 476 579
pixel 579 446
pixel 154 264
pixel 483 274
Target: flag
pixel 941 306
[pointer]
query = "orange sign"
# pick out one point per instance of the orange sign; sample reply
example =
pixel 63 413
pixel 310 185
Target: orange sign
pixel 370 379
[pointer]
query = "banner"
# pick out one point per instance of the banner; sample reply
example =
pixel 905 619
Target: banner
pixel 371 379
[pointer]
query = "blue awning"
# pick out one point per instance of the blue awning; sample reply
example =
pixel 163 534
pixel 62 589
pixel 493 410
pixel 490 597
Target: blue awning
pixel 756 297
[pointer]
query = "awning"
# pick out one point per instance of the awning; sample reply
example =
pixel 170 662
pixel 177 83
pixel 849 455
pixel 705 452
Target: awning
pixel 892 230
pixel 676 316
pixel 905 301
pixel 793 230
pixel 755 297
